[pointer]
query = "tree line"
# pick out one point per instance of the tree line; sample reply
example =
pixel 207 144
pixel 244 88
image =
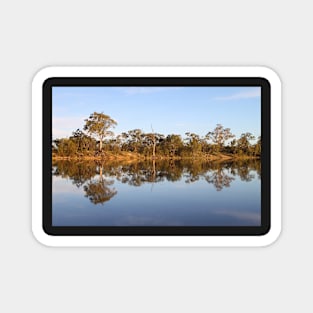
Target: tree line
pixel 97 139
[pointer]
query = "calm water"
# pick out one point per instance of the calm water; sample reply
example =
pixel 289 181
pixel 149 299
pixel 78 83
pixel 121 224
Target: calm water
pixel 161 193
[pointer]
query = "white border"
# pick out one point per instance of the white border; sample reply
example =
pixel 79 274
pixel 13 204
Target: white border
pixel 156 241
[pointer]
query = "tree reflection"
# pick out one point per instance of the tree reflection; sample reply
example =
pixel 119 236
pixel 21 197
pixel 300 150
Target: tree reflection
pixel 219 178
pixel 136 174
pixel 97 178
pixel 245 170
pixel 78 172
pixel 98 191
pixel 195 170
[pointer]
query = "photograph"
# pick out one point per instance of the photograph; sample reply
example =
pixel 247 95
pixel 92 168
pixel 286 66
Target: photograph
pixel 156 156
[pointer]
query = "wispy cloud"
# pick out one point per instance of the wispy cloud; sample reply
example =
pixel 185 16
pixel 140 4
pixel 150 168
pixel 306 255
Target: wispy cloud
pixel 247 94
pixel 145 90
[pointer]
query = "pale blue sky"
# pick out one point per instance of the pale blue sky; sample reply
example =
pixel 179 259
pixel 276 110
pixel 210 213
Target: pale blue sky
pixel 170 110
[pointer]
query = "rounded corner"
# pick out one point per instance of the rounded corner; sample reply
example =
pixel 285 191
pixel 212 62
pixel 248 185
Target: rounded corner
pixel 43 75
pixel 271 237
pixel 270 75
pixel 41 237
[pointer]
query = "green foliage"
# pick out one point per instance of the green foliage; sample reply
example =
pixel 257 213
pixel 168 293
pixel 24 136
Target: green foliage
pixel 243 144
pixel 83 142
pixel 194 144
pixel 98 125
pixel 172 145
pixel 97 139
pixel 135 139
pixel 219 136
pixel 65 147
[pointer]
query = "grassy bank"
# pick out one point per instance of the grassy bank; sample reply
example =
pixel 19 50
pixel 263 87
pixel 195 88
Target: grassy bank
pixel 132 156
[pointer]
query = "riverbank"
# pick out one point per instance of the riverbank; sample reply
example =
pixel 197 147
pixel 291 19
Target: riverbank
pixel 131 156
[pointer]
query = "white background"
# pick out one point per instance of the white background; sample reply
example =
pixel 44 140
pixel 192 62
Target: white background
pixel 35 34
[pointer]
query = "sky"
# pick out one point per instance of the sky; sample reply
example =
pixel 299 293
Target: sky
pixel 168 110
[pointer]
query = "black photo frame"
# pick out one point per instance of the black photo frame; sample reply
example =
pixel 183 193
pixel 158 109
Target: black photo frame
pixel 157 230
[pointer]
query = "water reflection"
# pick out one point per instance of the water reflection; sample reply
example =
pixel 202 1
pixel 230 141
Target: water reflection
pixel 97 179
pixel 98 191
pixel 219 178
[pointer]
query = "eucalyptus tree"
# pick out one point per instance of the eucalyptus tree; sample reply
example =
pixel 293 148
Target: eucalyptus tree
pixel 98 125
pixel 194 143
pixel 219 136
pixel 135 139
pixel 83 141
pixel 152 140
pixel 243 143
pixel 173 144
pixel 64 147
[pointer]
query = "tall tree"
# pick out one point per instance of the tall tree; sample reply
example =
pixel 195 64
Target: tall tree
pixel 194 143
pixel 98 125
pixel 135 139
pixel 243 143
pixel 219 136
pixel 173 143
pixel 152 140
pixel 83 141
